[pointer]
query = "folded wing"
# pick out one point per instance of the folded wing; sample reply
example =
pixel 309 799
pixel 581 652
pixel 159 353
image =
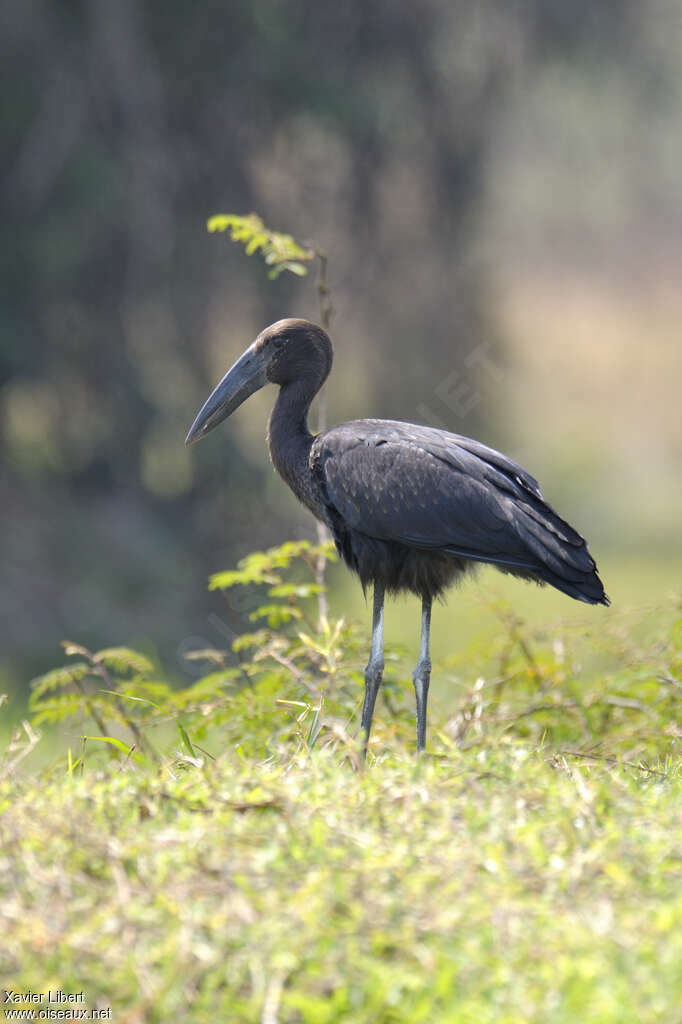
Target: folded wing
pixel 436 491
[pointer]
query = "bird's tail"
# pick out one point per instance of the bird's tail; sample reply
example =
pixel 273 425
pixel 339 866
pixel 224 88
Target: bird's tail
pixel 563 558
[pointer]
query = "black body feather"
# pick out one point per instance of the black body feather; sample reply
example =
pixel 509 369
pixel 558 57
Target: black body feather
pixel 414 507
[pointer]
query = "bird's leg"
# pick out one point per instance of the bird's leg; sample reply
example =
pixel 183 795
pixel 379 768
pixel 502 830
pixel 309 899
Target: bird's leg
pixel 375 666
pixel 422 674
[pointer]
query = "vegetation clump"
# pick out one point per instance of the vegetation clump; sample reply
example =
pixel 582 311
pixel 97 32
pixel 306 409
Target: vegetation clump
pixel 220 852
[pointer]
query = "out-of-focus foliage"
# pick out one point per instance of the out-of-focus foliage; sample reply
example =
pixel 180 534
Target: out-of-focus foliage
pixel 526 868
pixel 291 680
pixel 395 891
pixel 432 149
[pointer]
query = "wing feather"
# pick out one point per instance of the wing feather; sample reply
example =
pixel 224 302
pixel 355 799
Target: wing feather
pixel 434 490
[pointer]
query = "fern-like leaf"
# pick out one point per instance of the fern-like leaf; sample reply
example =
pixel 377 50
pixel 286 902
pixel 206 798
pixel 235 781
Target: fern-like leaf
pixel 59 679
pixel 280 251
pixel 56 709
pixel 123 661
pixel 276 614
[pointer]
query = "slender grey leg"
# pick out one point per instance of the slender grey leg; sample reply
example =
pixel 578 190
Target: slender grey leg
pixel 375 666
pixel 422 674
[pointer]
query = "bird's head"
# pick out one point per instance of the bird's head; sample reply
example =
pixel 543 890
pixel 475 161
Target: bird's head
pixel 287 351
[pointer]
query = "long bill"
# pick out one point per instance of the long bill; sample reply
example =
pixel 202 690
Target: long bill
pixel 246 376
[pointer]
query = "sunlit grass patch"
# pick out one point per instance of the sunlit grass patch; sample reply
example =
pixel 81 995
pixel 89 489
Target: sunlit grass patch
pixel 500 884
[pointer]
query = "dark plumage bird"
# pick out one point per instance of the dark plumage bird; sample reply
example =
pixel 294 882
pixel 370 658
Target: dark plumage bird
pixel 410 508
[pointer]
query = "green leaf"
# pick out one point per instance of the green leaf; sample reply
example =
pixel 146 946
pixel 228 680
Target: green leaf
pixel 71 765
pixel 130 696
pixel 219 222
pixel 262 566
pixel 293 268
pixel 280 252
pixel 206 654
pixel 238 577
pixel 119 744
pixel 204 690
pixel 185 738
pixel 71 648
pixel 56 709
pixel 246 640
pixel 122 659
pixel 59 678
pixel 295 589
pixel 276 614
pixel 257 242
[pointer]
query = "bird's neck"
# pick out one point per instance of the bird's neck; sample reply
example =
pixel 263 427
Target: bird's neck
pixel 289 438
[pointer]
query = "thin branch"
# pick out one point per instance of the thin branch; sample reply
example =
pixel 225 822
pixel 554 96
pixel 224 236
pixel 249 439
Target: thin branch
pixel 92 710
pixel 140 738
pixel 326 314
pixel 296 672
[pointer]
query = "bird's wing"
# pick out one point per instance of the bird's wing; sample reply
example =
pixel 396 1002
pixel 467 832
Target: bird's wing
pixel 439 491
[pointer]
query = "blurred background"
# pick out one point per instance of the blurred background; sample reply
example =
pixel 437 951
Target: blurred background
pixel 497 185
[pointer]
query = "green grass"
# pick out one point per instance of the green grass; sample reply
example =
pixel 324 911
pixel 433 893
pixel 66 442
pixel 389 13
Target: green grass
pixel 527 869
pixel 505 885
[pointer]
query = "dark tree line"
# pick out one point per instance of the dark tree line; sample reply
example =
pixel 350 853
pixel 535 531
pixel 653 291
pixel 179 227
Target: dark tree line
pixel 363 125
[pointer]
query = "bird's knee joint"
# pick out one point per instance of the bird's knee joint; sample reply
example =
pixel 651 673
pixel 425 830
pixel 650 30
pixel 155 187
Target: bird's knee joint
pixel 422 670
pixel 374 671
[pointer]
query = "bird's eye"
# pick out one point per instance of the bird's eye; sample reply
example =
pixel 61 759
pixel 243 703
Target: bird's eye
pixel 278 340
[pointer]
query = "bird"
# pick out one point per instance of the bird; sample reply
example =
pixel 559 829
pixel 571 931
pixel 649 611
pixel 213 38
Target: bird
pixel 410 508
